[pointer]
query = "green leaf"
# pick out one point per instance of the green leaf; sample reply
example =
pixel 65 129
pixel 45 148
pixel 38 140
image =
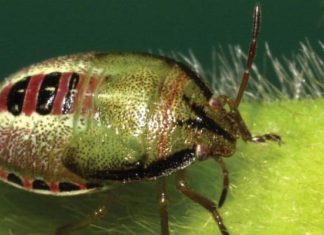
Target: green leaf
pixel 274 189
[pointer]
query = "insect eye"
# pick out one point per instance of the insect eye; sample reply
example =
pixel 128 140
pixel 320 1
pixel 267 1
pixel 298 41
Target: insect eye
pixel 216 103
pixel 220 103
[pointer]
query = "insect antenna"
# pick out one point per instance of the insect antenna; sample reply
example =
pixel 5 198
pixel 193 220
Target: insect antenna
pixel 251 55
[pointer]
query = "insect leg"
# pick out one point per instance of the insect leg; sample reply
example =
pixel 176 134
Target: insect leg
pixel 246 134
pixel 225 181
pixel 163 204
pixel 96 215
pixel 198 198
pixel 266 137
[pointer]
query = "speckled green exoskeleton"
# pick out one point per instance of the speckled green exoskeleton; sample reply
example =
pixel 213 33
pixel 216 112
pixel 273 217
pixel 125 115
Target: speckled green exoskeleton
pixel 76 123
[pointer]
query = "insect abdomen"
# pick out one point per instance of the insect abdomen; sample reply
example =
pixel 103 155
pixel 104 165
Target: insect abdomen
pixel 52 93
pixel 37 119
pixel 41 186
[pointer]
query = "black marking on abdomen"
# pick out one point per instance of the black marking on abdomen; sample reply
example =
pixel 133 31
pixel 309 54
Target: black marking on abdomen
pixel 70 96
pixel 66 187
pixel 93 185
pixel 203 121
pixel 40 185
pixel 17 95
pixel 47 93
pixel 14 179
pixel 158 168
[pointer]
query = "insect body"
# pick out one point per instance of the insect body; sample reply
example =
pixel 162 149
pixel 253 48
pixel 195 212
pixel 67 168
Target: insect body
pixel 76 123
pixel 144 117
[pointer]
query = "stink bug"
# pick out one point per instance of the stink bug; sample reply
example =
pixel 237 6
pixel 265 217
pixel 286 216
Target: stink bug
pixel 74 124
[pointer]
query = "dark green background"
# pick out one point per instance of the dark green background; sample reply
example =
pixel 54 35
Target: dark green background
pixel 33 30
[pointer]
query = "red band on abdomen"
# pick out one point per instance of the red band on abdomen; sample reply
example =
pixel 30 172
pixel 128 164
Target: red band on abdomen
pixel 63 89
pixel 54 187
pixel 3 174
pixel 27 183
pixel 31 96
pixel 4 98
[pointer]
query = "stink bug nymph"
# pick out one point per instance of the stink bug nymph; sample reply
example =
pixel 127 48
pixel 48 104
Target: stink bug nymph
pixel 74 124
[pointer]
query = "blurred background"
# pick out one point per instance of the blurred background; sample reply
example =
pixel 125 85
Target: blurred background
pixel 34 30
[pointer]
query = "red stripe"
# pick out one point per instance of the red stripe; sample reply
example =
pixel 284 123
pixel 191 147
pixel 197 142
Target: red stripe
pixel 169 94
pixel 54 187
pixel 87 103
pixel 4 98
pixel 27 183
pixel 3 174
pixel 62 90
pixel 31 95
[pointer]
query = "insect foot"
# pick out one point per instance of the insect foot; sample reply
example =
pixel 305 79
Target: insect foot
pixel 267 137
